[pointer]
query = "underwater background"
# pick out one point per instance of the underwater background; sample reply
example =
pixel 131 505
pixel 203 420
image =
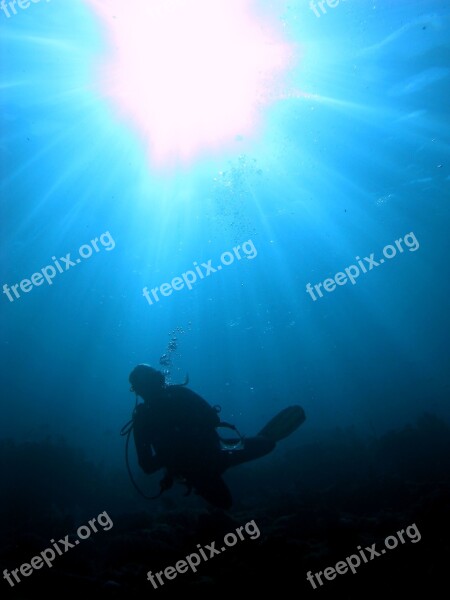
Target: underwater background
pixel 312 137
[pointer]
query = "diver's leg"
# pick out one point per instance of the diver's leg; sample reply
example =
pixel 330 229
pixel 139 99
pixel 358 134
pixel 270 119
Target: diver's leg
pixel 254 447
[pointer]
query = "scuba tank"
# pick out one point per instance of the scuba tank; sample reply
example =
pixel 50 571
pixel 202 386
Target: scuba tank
pixel 167 481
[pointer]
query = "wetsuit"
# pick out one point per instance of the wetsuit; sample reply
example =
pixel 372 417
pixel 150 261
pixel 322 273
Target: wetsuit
pixel 176 431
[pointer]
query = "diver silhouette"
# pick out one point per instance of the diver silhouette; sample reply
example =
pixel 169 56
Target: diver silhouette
pixel 176 429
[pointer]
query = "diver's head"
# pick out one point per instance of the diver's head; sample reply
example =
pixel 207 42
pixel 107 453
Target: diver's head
pixel 146 381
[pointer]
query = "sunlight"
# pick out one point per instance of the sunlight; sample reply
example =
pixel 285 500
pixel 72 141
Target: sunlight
pixel 191 76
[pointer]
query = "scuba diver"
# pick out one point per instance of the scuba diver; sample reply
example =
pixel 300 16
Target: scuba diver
pixel 176 429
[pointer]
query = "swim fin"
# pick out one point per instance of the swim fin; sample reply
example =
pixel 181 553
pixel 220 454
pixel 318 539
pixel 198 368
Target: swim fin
pixel 284 423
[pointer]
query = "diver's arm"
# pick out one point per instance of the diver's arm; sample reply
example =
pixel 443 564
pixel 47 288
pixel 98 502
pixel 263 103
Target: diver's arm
pixel 147 459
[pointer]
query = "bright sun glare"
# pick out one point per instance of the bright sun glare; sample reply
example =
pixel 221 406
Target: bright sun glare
pixel 190 74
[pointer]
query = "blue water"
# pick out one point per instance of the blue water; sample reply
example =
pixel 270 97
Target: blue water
pixel 355 162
